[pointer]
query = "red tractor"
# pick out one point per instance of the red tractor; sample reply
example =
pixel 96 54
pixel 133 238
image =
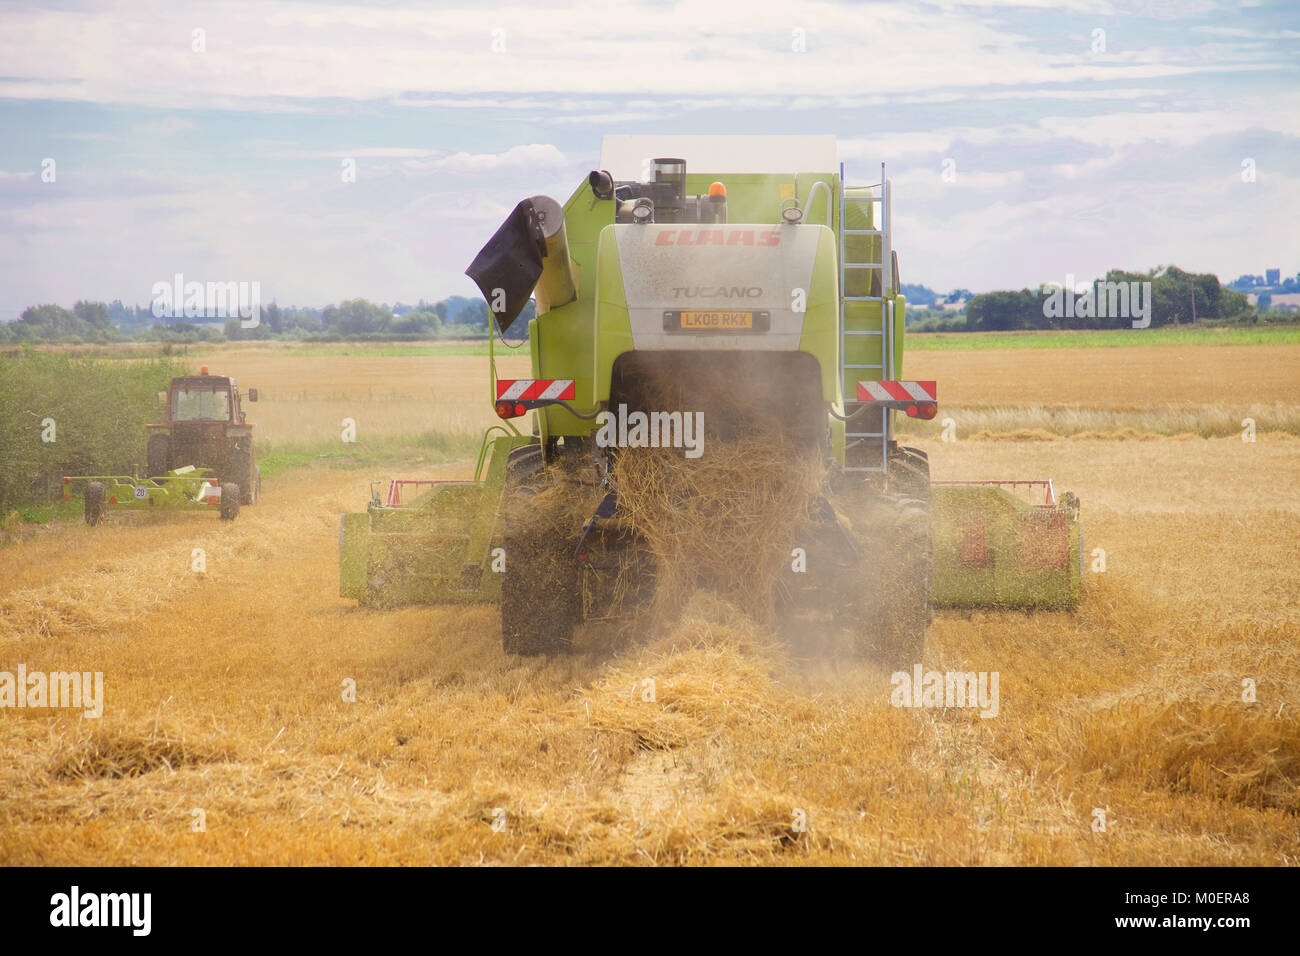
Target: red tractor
pixel 205 427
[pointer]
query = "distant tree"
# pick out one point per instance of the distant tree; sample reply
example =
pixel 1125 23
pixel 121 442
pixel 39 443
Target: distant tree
pixel 359 317
pixel 94 314
pixel 47 323
pixel 417 322
pixel 1004 311
pixel 919 294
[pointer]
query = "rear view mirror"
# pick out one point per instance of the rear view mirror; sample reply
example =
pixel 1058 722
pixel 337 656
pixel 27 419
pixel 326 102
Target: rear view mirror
pixel 252 394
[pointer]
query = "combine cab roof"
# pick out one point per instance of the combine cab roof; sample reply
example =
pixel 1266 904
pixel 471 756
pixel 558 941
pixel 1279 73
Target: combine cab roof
pixel 624 155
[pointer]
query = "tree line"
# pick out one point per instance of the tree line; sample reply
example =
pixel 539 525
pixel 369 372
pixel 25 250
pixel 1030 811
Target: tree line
pixel 456 317
pixel 1168 294
pixel 1175 297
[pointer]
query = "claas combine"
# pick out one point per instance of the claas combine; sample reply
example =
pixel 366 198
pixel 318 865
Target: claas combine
pixel 736 284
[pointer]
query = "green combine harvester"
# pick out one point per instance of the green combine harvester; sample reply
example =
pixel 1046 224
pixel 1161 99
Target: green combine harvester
pixel 682 263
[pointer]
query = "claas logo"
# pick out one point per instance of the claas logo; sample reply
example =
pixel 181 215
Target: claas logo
pixel 718 237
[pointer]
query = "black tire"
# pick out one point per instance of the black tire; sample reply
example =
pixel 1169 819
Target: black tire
pixel 243 473
pixel 229 501
pixel 541 593
pixel 908 614
pixel 156 456
pixel 909 473
pixel 895 611
pixel 94 496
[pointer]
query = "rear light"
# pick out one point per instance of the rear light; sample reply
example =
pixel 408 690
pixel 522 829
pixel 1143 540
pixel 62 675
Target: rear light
pixel 923 410
pixel 510 410
pixel 112 501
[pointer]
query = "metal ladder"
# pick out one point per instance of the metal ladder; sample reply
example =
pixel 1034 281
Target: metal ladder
pixel 856 435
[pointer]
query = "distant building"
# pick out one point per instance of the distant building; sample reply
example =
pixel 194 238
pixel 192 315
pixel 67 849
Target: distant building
pixel 1272 276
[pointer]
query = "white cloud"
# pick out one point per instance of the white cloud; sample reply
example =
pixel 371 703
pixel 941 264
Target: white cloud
pixel 269 55
pixel 1066 161
pixel 167 126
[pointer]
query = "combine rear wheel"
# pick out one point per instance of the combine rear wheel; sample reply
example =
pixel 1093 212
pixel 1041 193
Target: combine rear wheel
pixel 909 472
pixel 891 612
pixel 541 595
pixel 905 599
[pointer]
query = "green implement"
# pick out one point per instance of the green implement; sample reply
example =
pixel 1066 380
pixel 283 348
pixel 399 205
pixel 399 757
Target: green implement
pixel 181 489
pixel 429 542
pixel 994 548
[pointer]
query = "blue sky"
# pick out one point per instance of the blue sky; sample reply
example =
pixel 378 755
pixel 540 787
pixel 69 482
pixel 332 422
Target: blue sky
pixel 1073 150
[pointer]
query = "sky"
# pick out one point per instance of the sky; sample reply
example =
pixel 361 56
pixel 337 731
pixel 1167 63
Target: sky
pixel 1026 141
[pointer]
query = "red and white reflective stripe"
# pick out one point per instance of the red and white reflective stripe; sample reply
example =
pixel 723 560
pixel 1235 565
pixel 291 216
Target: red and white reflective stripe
pixel 897 392
pixel 534 389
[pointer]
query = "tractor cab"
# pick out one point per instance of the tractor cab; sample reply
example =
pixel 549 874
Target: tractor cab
pixel 206 398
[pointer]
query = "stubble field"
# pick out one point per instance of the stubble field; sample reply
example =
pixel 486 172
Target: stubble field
pixel 224 691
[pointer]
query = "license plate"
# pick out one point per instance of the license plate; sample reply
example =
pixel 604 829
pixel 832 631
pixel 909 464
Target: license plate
pixel 716 320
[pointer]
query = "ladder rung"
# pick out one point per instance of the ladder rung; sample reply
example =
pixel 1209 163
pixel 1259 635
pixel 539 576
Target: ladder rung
pixel 862 265
pixel 846 468
pixel 864 366
pixel 862 198
pixel 864 331
pixel 864 434
pixel 861 232
pixel 863 298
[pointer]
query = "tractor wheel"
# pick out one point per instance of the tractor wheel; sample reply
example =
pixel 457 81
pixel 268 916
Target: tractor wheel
pixel 541 595
pixel 243 472
pixel 896 610
pixel 229 501
pixel 156 456
pixel 94 502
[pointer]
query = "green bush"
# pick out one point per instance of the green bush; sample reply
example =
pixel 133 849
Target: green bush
pixel 98 409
